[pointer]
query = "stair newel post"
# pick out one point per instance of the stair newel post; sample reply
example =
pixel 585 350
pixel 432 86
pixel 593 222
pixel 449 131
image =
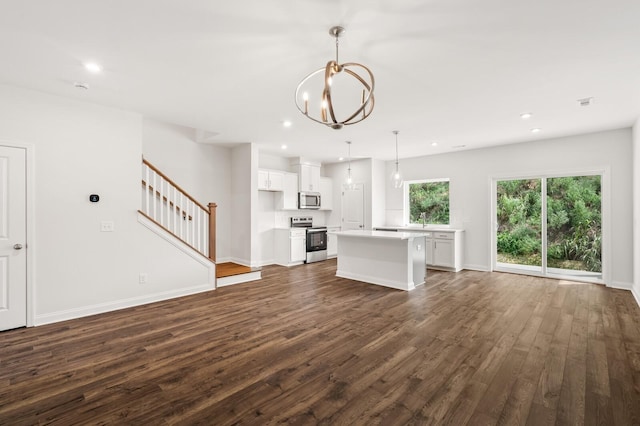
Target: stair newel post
pixel 212 231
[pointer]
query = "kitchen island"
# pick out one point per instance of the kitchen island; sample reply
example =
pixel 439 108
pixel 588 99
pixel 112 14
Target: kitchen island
pixel 390 259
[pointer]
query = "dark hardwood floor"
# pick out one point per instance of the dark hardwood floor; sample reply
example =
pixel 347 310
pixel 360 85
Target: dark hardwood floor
pixel 304 347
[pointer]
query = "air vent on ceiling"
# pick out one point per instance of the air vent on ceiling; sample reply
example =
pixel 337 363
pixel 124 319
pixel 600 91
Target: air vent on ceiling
pixel 585 101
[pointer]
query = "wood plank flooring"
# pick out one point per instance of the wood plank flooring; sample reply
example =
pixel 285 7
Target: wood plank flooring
pixel 229 269
pixel 302 346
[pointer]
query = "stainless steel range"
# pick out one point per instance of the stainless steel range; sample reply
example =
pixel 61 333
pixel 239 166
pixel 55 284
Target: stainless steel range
pixel 316 238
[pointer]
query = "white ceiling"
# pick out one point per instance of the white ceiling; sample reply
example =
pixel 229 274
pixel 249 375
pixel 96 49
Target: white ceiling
pixel 458 72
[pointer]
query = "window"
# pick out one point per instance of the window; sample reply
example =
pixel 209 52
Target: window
pixel 427 201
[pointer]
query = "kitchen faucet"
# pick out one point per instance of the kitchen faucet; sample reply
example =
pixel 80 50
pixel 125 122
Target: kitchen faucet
pixel 423 217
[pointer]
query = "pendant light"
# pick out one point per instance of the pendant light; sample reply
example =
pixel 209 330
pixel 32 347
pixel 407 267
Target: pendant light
pixel 396 177
pixel 348 183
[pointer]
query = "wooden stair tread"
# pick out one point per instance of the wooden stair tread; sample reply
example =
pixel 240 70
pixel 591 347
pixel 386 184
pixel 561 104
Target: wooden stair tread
pixel 229 269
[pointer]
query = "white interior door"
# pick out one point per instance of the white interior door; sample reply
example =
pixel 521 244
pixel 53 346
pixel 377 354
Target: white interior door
pixel 353 207
pixel 13 254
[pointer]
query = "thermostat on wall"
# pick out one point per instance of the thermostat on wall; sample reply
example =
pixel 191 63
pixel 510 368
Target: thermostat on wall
pixel 94 198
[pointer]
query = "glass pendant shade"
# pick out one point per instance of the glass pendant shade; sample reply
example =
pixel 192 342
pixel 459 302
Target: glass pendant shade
pixel 396 176
pixel 348 182
pixel 396 179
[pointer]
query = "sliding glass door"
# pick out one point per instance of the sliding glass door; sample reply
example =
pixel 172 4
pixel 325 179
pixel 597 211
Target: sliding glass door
pixel 550 226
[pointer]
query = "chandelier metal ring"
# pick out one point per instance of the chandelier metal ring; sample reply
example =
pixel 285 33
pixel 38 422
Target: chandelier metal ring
pixel 327 114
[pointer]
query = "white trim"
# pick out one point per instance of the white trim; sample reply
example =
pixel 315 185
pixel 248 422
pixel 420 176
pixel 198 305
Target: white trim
pixel 636 294
pixel 621 286
pixel 239 261
pixel 30 224
pixel 480 268
pixel 119 304
pixel 178 243
pixel 369 279
pixel 239 279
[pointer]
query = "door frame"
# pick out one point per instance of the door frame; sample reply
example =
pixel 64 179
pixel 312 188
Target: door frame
pixel 30 223
pixel 605 184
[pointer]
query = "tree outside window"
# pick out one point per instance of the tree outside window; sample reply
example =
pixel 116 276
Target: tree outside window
pixel 428 201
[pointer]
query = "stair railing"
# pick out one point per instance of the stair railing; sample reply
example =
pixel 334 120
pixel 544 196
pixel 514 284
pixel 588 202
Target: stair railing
pixel 172 208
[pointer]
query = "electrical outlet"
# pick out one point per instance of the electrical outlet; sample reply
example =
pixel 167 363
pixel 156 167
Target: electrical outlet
pixel 143 278
pixel 107 226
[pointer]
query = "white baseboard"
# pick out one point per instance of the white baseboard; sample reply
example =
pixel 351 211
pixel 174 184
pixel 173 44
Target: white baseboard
pixel 636 294
pixel 620 285
pixel 239 279
pixel 223 259
pixel 398 285
pixel 481 268
pixel 119 304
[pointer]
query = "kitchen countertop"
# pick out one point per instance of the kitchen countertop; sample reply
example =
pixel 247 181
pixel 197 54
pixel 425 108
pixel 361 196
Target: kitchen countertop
pixel 390 235
pixel 421 229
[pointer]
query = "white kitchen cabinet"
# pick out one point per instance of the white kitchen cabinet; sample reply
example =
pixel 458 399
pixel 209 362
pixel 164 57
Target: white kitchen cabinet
pixel 444 247
pixel 290 246
pixel 270 180
pixel 446 250
pixel 288 198
pixel 309 178
pixel 326 193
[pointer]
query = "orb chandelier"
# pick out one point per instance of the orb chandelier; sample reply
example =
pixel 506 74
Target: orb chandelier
pixel 353 77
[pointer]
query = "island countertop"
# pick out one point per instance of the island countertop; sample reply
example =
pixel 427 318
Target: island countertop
pixel 391 235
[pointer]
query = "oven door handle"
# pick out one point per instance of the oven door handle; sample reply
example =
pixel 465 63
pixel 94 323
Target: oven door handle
pixel 313 231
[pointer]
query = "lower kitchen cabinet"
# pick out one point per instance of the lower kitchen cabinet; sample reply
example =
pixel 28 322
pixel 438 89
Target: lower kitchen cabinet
pixel 290 246
pixel 444 247
pixel 444 250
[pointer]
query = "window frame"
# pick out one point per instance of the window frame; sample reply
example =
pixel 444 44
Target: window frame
pixel 406 211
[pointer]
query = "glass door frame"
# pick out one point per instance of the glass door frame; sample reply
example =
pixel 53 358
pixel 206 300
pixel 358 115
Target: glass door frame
pixel 605 208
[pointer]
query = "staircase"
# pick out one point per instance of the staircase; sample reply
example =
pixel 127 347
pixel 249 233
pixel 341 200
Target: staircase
pixel 174 211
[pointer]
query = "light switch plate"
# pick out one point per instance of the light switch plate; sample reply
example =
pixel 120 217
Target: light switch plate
pixel 107 226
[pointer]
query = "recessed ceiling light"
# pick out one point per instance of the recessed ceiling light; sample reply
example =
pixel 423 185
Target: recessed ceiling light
pixel 526 115
pixel 341 159
pixel 92 67
pixel 535 130
pixel 283 147
pixel 434 143
pixel 286 123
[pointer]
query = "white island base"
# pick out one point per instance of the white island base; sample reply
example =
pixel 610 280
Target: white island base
pixel 390 259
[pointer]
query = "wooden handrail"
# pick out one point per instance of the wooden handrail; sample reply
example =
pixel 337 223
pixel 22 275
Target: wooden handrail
pixel 210 210
pixel 155 169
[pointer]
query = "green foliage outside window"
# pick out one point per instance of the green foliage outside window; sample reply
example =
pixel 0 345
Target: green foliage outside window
pixel 430 198
pixel 574 228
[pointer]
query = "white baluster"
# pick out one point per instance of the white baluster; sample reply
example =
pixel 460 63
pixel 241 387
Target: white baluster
pixel 155 200
pixel 146 188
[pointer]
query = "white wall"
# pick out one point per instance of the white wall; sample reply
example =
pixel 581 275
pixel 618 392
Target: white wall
pixel 80 149
pixel 361 172
pixel 202 170
pixel 470 187
pixel 636 211
pixel 245 247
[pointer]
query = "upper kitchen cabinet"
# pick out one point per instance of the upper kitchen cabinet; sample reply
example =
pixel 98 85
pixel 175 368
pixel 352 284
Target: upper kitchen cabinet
pixel 270 180
pixel 288 198
pixel 308 175
pixel 326 193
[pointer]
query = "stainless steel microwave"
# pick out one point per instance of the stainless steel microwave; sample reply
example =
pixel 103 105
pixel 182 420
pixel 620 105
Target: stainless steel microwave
pixel 308 200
